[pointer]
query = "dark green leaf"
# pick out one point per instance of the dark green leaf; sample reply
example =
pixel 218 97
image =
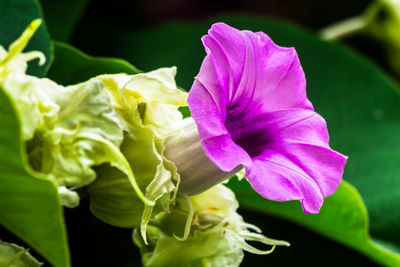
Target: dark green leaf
pixel 15 16
pixel 29 204
pixel 62 16
pixel 71 66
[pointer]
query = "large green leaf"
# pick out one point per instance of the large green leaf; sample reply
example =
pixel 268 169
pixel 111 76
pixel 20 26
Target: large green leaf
pixel 29 204
pixel 359 102
pixel 15 16
pixel 343 217
pixel 62 16
pixel 72 66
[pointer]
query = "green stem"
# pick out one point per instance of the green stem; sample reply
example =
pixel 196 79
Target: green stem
pixel 189 220
pixel 344 28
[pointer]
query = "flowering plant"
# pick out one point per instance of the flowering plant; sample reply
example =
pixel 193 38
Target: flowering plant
pixel 84 136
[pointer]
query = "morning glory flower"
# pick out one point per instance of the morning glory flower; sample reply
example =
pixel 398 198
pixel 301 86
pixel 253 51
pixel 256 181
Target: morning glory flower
pixel 250 107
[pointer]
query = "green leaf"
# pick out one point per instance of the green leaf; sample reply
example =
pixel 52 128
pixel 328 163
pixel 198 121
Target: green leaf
pixel 343 217
pixel 62 16
pixel 359 103
pixel 15 16
pixel 29 204
pixel 72 66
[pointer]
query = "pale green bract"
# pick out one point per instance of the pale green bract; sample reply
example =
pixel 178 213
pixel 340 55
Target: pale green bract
pixel 12 255
pixel 67 129
pixel 111 128
pixel 203 230
pixel 13 65
pixel 148 107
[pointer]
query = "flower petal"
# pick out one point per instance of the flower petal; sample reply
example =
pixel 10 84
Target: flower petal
pixel 294 146
pixel 324 165
pixel 225 153
pixel 205 112
pixel 275 177
pixel 226 46
pixel 280 81
pixel 297 125
pixel 253 71
pixel 210 81
pixel 254 131
pixel 302 136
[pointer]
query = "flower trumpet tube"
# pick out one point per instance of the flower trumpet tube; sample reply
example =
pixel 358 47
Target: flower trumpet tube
pixel 251 110
pixel 194 165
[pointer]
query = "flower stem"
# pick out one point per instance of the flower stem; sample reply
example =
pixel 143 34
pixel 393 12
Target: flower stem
pixel 344 28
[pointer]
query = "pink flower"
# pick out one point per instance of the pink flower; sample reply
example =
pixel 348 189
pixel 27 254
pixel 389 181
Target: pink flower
pixel 250 106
